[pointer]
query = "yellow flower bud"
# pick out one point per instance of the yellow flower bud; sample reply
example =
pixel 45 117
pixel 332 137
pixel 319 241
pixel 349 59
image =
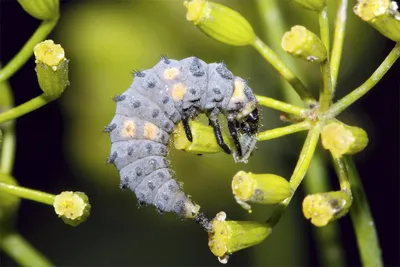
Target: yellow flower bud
pixel 203 139
pixel 315 5
pixel 382 15
pixel 227 237
pixel 323 208
pixel 302 43
pixel 72 207
pixel 220 22
pixel 259 188
pixel 342 139
pixel 41 9
pixel 51 68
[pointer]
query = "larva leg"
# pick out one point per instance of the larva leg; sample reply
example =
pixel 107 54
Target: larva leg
pixel 234 134
pixel 188 132
pixel 213 119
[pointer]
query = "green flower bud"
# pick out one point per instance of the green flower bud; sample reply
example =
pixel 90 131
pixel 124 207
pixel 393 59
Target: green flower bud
pixel 227 237
pixel 259 188
pixel 203 139
pixel 72 207
pixel 342 139
pixel 41 9
pixel 382 15
pixel 9 204
pixel 323 208
pixel 220 22
pixel 315 5
pixel 302 43
pixel 51 68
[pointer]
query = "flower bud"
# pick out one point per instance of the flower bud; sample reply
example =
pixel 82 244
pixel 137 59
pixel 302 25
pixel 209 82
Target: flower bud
pixel 315 5
pixel 41 9
pixel 51 68
pixel 302 43
pixel 259 188
pixel 72 207
pixel 323 208
pixel 342 139
pixel 220 22
pixel 9 204
pixel 203 139
pixel 227 237
pixel 382 15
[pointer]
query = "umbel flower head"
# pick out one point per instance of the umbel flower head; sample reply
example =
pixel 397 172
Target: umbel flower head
pixel 382 15
pixel 220 22
pixel 259 188
pixel 342 139
pixel 226 237
pixel 323 208
pixel 302 43
pixel 51 68
pixel 72 207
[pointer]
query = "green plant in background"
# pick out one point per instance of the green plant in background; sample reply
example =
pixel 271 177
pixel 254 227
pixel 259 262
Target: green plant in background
pixel 52 74
pixel 318 117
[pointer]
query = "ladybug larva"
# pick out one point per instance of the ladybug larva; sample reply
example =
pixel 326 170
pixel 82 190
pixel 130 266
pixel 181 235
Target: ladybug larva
pixel 158 99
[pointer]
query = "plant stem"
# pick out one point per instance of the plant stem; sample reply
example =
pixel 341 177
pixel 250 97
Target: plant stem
pixel 281 106
pixel 340 168
pixel 25 108
pixel 23 252
pixel 338 39
pixel 326 90
pixel 27 50
pixel 299 172
pixel 281 131
pixel 27 193
pixel 363 223
pixel 284 71
pixel 360 91
pixel 328 237
pixel 7 155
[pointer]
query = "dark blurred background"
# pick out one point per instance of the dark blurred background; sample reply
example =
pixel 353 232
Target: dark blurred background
pixel 61 146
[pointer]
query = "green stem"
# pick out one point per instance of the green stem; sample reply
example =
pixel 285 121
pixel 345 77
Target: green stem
pixel 284 71
pixel 363 223
pixel 282 131
pixel 327 237
pixel 25 108
pixel 281 106
pixel 360 91
pixel 22 252
pixel 299 172
pixel 326 92
pixel 340 168
pixel 7 155
pixel 338 39
pixel 27 50
pixel 27 193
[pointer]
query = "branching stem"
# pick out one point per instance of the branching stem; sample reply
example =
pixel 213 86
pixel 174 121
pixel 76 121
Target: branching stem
pixel 281 106
pixel 27 50
pixel 27 193
pixel 360 91
pixel 284 71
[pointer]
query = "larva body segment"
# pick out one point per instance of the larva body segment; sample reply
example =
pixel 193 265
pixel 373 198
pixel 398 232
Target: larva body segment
pixel 158 99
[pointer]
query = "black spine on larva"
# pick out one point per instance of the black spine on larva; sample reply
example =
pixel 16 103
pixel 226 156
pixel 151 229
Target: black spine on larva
pixel 145 116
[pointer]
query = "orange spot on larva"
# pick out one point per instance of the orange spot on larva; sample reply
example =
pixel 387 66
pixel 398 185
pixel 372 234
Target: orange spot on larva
pixel 178 91
pixel 171 73
pixel 129 129
pixel 150 131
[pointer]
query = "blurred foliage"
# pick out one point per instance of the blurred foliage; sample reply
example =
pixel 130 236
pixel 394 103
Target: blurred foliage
pixel 106 41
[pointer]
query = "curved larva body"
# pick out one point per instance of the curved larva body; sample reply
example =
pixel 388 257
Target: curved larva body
pixel 146 115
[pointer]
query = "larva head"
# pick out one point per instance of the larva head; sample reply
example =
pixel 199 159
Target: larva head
pixel 242 108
